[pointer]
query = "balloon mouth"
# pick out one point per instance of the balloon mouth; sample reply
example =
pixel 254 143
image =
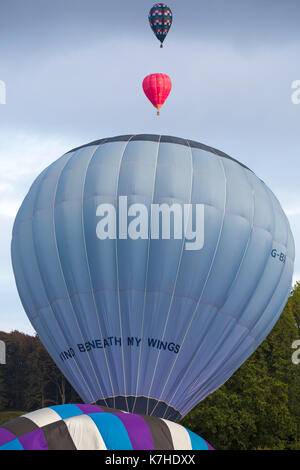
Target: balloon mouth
pixel 141 405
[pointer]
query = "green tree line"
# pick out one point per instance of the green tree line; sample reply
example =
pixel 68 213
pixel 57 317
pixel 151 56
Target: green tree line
pixel 30 379
pixel 257 408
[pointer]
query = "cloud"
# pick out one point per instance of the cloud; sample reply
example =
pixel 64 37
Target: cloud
pixel 295 226
pixel 73 72
pixel 22 157
pixel 12 315
pixel 49 25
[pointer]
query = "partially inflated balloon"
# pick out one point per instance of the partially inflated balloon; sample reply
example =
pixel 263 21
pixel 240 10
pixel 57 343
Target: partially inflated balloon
pixel 151 267
pixel 160 19
pixel 91 427
pixel 157 87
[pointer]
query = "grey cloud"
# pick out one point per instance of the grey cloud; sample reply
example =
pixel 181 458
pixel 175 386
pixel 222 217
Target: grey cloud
pixel 44 23
pixel 74 69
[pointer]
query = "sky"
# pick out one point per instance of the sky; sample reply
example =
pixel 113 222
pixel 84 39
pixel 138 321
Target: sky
pixel 73 72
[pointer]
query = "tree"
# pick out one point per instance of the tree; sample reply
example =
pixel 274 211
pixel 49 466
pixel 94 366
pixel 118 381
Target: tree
pixel 18 347
pixel 39 364
pixel 294 303
pixel 30 379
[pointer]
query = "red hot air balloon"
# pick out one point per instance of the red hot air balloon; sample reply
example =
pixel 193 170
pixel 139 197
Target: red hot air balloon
pixel 157 87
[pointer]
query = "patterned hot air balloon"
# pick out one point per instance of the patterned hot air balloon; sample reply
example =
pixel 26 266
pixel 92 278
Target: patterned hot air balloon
pixel 157 87
pixel 160 19
pixel 151 267
pixel 91 427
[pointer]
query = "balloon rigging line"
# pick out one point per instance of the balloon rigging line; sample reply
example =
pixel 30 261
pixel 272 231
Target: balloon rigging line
pixel 147 273
pixel 227 296
pixel 251 348
pixel 88 266
pixel 176 279
pixel 64 279
pixel 204 286
pixel 44 284
pixel 117 275
pixel 253 291
pixel 235 349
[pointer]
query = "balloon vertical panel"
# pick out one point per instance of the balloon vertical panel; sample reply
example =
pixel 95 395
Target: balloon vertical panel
pixel 50 263
pixel 136 183
pixel 101 187
pixel 173 185
pixel 71 245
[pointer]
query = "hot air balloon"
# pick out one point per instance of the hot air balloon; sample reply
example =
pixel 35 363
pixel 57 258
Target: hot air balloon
pixel 151 267
pixel 91 427
pixel 157 87
pixel 160 19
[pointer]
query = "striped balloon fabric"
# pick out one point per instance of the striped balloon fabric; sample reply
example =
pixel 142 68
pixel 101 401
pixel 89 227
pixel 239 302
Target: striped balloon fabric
pixel 91 427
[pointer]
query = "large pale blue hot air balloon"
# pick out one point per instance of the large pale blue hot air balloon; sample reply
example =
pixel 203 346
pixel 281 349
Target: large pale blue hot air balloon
pixel 151 267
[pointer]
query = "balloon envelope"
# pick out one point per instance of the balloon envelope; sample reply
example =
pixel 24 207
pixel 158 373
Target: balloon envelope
pixel 157 87
pixel 91 427
pixel 141 313
pixel 160 19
